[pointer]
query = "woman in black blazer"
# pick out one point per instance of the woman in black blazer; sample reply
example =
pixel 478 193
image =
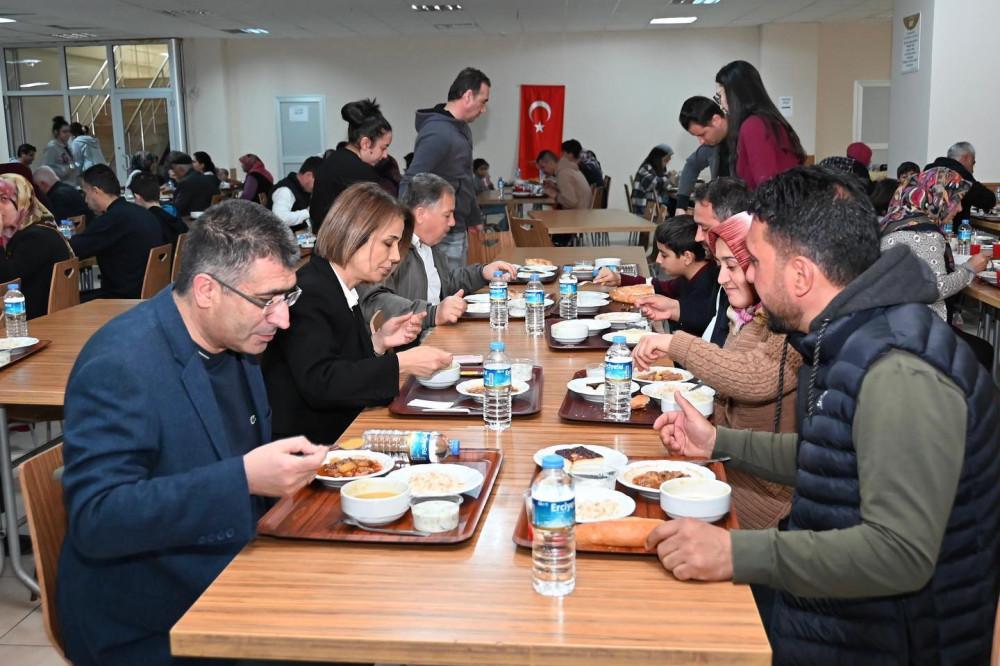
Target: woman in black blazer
pixel 328 365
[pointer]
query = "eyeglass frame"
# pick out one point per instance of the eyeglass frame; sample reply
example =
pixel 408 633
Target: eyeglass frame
pixel 288 298
pixel 717 98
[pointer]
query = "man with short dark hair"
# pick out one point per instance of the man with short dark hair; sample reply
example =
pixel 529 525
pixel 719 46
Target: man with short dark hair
pixel 705 120
pixel 121 236
pixel 573 151
pixel 961 158
pixel 444 147
pixel 291 195
pixel 194 189
pixel 167 465
pixel 564 183
pixel 145 188
pixel 891 550
pixel 26 154
pixel 65 201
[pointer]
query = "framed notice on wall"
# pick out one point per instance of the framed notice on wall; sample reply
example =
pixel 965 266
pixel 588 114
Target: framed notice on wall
pixel 911 44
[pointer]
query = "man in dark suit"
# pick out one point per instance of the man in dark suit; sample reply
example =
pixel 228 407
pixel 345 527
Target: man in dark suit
pixel 65 201
pixel 120 237
pixel 166 466
pixel 194 190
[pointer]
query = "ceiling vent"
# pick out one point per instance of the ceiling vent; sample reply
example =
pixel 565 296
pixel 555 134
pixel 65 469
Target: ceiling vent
pixel 75 35
pixel 187 12
pixel 436 8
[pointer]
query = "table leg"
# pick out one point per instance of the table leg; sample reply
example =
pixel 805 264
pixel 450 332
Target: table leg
pixel 10 505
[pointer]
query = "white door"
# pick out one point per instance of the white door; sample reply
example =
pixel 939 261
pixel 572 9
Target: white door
pixel 143 120
pixel 301 130
pixel 871 117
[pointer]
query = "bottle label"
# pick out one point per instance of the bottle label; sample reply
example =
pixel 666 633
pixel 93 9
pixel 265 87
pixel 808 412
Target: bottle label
pixel 12 308
pixel 964 234
pixel 554 514
pixel 618 370
pixel 419 447
pixel 536 297
pixel 496 377
pixel 498 293
pixel 567 288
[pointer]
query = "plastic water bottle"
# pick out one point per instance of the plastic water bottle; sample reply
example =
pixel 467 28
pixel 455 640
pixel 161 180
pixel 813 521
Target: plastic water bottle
pixel 553 546
pixel 496 388
pixel 567 293
pixel 965 237
pixel 534 306
pixel 618 381
pixel 415 445
pixel 14 312
pixel 500 186
pixel 67 229
pixel 517 174
pixel 499 316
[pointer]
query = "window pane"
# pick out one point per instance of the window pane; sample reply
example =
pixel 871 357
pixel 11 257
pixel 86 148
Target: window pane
pixel 94 111
pixel 33 69
pixel 87 67
pixel 142 66
pixel 31 121
pixel 146 125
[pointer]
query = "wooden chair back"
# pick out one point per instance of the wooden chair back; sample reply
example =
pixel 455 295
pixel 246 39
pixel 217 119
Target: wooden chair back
pixel 511 211
pixel 79 223
pixel 607 189
pixel 490 247
pixel 178 251
pixel 628 198
pixel 262 198
pixel 43 500
pixel 995 653
pixel 157 271
pixel 597 197
pixel 3 285
pixel 64 291
pixel 529 233
pixel 652 211
pixel 218 198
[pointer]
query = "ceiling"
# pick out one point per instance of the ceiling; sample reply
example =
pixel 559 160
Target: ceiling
pixel 40 20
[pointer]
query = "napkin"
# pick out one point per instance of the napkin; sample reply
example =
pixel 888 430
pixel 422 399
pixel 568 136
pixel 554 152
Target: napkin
pixel 429 404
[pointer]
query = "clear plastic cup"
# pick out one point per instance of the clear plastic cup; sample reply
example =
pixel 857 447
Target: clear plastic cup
pixel 600 475
pixel 594 369
pixel 522 369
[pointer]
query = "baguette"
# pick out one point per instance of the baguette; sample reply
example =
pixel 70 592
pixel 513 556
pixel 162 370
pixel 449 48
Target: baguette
pixel 631 293
pixel 621 533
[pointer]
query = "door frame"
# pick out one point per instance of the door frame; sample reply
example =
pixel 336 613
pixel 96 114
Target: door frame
pixel 859 95
pixel 278 101
pixel 118 122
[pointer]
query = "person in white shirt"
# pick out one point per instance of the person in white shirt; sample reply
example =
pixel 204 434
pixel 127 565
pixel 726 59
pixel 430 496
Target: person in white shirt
pixel 291 196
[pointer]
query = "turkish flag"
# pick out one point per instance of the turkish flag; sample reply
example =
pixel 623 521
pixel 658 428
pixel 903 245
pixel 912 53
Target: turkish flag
pixel 541 122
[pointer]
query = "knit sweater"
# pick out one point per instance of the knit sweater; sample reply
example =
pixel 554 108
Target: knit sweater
pixel 744 374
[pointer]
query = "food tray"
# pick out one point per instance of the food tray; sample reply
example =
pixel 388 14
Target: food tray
pixel 523 405
pixel 644 508
pixel 548 312
pixel 594 341
pixel 25 352
pixel 575 408
pixel 314 511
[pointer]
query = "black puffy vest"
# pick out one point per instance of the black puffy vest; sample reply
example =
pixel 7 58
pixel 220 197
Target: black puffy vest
pixel 292 183
pixel 950 620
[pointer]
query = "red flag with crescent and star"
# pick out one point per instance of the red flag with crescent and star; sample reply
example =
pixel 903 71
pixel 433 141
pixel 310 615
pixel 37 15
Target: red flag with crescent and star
pixel 541 123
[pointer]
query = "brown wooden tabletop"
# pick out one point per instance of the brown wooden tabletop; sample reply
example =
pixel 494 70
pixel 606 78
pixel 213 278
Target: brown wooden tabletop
pixel 492 198
pixel 983 223
pixel 473 602
pixel 984 293
pixel 561 256
pixel 594 221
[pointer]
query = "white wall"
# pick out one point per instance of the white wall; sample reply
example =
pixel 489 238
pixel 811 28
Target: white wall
pixel 789 60
pixel 909 100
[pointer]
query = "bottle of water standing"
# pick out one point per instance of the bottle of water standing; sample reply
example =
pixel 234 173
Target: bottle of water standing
pixel 66 229
pixel 965 237
pixel 618 381
pixel 500 186
pixel 567 293
pixel 415 445
pixel 498 301
pixel 534 306
pixel 553 546
pixel 14 312
pixel 517 174
pixel 496 388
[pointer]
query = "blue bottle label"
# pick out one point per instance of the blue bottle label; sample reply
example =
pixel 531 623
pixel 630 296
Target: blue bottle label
pixel 496 377
pixel 498 293
pixel 419 447
pixel 554 514
pixel 534 297
pixel 13 308
pixel 567 288
pixel 964 234
pixel 619 371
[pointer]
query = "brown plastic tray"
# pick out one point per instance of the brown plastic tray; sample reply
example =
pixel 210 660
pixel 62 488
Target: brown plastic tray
pixel 314 511
pixel 549 311
pixel 644 508
pixel 575 408
pixel 523 405
pixel 25 352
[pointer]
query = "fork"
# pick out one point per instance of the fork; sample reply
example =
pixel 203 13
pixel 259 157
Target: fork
pixel 351 521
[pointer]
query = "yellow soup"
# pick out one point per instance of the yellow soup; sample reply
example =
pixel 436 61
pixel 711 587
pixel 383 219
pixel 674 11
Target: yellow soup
pixel 381 494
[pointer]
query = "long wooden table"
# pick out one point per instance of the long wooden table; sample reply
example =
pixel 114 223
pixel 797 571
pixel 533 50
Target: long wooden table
pixel 473 602
pixel 988 297
pixel 493 198
pixel 599 220
pixel 984 224
pixel 40 380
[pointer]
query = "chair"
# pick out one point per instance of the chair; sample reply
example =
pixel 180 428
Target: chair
pixel 64 291
pixel 178 251
pixel 79 223
pixel 529 233
pixel 218 198
pixel 607 188
pixel 3 285
pixel 597 196
pixel 43 501
pixel 628 198
pixel 490 246
pixel 262 198
pixel 157 271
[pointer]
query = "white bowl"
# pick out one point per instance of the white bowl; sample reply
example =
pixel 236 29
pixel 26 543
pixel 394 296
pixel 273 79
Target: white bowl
pixel 703 397
pixel 592 388
pixel 596 325
pixel 570 332
pixel 382 459
pixel 375 511
pixel 607 261
pixel 704 499
pixel 442 378
pixel 516 388
pixel 630 472
pixel 988 276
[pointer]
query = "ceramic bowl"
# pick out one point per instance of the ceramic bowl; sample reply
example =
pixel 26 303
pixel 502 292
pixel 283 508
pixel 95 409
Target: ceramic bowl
pixel 442 378
pixel 704 499
pixel 375 511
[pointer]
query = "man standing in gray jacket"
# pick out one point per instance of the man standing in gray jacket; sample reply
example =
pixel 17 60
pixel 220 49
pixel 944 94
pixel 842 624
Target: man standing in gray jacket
pixel 705 120
pixel 423 281
pixel 444 147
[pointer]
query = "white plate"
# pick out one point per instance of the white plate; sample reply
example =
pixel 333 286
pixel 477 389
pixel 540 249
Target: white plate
pixel 610 456
pixel 539 268
pixel 631 339
pixel 594 504
pixel 336 482
pixel 11 344
pixel 630 471
pixel 592 392
pixel 619 317
pixel 516 388
pixel 435 479
pixel 477 298
pixel 478 308
pixel 988 276
pixel 519 304
pixel 684 375
pixel 541 275
pixel 592 298
pixel 596 325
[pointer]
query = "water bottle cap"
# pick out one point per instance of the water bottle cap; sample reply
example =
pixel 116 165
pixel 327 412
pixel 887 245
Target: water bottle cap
pixel 568 269
pixel 553 462
pixel 497 346
pixel 534 276
pixel 497 273
pixel 13 287
pixel 618 340
pixel 456 447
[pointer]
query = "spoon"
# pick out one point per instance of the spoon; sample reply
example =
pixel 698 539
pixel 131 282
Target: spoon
pixel 351 521
pixel 723 459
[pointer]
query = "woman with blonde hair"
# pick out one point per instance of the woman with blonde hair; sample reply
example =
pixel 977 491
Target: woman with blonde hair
pixel 30 243
pixel 331 363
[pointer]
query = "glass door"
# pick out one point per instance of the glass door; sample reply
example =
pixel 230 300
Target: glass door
pixel 142 121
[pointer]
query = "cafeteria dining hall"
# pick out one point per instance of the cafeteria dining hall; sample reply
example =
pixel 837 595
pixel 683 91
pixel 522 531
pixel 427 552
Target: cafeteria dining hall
pixel 501 332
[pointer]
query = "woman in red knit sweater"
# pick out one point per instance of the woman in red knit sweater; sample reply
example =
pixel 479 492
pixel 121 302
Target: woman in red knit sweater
pixel 761 139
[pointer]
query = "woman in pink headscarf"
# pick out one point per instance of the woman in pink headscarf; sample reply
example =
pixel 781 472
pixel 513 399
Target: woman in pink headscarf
pixel 258 181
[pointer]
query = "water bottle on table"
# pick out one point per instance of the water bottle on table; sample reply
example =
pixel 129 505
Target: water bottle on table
pixel 534 306
pixel 618 381
pixel 567 293
pixel 496 388
pixel 67 229
pixel 15 314
pixel 498 301
pixel 418 446
pixel 500 186
pixel 553 546
pixel 965 237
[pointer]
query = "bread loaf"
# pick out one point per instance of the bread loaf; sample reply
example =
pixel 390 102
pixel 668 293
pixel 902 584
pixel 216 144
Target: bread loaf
pixel 631 293
pixel 621 533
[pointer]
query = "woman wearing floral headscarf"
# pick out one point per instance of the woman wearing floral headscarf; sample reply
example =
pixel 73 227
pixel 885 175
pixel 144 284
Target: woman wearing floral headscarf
pixel 922 207
pixel 143 161
pixel 259 179
pixel 30 243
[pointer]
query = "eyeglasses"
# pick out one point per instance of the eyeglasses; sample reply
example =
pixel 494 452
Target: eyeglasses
pixel 717 98
pixel 269 305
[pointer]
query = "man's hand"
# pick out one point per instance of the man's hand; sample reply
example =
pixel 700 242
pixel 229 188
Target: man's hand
pixel 475 233
pixel 450 309
pixel 687 432
pixel 398 331
pixel 650 349
pixel 549 190
pixel 273 470
pixel 607 277
pixel 693 550
pixel 423 361
pixel 659 308
pixel 507 269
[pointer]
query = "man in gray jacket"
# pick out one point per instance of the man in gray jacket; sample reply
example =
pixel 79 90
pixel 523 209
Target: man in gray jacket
pixel 444 147
pixel 423 281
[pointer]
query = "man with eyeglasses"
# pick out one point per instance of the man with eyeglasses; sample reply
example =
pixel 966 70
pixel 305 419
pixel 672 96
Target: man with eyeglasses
pixel 167 460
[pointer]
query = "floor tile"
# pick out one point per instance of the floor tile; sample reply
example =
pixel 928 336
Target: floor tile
pixel 24 655
pixel 29 631
pixel 15 604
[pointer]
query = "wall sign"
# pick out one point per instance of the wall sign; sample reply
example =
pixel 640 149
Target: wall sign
pixel 911 44
pixel 785 106
pixel 298 114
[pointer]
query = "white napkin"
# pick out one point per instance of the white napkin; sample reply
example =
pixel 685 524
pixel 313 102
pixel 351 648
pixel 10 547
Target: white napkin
pixel 429 404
